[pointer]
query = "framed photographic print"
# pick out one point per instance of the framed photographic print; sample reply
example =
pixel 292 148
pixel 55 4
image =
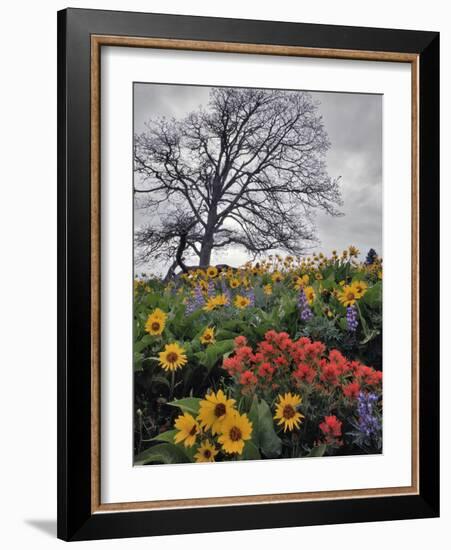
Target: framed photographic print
pixel 248 274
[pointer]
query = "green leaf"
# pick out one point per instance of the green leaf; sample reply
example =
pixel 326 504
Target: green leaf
pixel 137 362
pixel 158 379
pixel 163 453
pixel 187 404
pixel 373 296
pixel 250 452
pixel 167 436
pixel 263 433
pixel 318 451
pixel 214 352
pixel 143 343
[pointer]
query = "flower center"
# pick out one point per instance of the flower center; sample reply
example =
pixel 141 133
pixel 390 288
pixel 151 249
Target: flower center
pixel 207 453
pixel 155 325
pixel 172 357
pixel 350 296
pixel 193 430
pixel 235 434
pixel 288 411
pixel 207 336
pixel 220 410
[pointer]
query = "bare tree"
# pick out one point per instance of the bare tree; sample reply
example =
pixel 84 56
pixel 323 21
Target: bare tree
pixel 248 170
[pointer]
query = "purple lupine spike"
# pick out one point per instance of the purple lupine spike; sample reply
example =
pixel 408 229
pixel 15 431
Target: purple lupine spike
pixel 250 294
pixel 226 291
pixel 369 424
pixel 196 302
pixel 351 318
pixel 303 306
pixel 211 289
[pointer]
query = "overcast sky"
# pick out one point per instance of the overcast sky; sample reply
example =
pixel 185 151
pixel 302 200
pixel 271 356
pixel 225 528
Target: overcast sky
pixel 354 126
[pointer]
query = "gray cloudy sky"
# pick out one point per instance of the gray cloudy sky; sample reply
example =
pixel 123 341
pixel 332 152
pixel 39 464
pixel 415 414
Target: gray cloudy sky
pixel 354 125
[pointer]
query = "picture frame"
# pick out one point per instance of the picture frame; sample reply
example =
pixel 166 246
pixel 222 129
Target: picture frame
pixel 81 36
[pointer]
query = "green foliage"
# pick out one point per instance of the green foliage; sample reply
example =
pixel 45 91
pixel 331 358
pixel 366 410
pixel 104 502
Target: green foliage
pixel 263 433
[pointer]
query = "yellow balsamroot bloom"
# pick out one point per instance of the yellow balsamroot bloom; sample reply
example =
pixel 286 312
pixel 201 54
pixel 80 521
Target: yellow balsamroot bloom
pixel 206 452
pixel 309 294
pixel 267 289
pixel 277 277
pixel 360 287
pixel 156 322
pixel 234 283
pixel 216 302
pixel 348 295
pixel 353 251
pixel 173 357
pixel 208 336
pixel 213 410
pixel 241 302
pixel 236 430
pixel 187 428
pixel 286 412
pixel 301 282
pixel 212 272
pixel 203 285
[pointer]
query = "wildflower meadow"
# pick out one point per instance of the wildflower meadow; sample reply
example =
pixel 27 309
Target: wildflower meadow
pixel 279 358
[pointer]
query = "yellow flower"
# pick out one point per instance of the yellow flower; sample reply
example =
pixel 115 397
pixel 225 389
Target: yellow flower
pixel 212 272
pixel 241 302
pixel 267 289
pixel 348 295
pixel 234 283
pixel 156 322
pixel 208 336
pixel 173 357
pixel 379 274
pixel 216 302
pixel 301 282
pixel 236 429
pixel 203 284
pixel 318 277
pixel 206 452
pixel 353 251
pixel 213 410
pixel 286 412
pixel 188 429
pixel 360 287
pixel 309 294
pixel 277 277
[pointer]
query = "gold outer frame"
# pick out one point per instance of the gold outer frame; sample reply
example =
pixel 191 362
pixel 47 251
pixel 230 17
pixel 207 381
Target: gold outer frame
pixel 97 41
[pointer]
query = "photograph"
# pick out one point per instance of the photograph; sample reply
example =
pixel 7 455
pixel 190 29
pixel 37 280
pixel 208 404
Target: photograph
pixel 258 261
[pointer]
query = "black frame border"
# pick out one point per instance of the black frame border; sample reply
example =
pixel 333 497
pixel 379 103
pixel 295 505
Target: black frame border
pixel 75 520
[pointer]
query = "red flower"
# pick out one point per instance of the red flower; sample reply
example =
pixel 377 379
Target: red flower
pixel 240 341
pixel 248 378
pixel 305 372
pixel 244 353
pixel 232 365
pixel 266 348
pixel 331 427
pixel 330 373
pixel 352 390
pixel 281 361
pixel 265 370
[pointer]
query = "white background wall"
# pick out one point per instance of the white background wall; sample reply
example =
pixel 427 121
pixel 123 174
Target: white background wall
pixel 28 270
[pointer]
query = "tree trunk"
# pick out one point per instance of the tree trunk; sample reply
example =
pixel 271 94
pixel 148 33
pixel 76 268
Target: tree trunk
pixel 205 252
